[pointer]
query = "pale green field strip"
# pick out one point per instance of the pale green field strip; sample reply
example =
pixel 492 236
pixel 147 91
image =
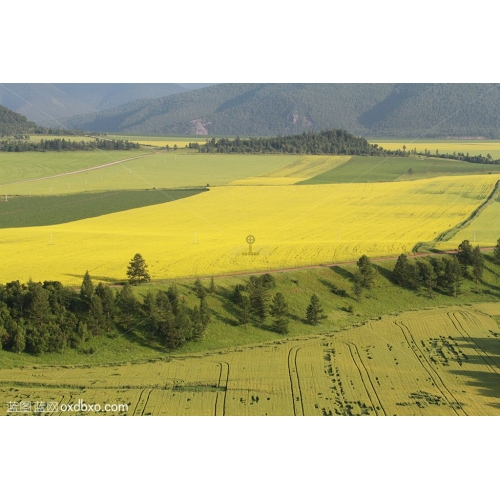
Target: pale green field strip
pixel 301 169
pixel 161 170
pixel 471 146
pixel 442 361
pixel 18 167
pixel 484 230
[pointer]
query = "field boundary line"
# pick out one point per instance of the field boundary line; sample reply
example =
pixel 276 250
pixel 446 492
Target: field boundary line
pixel 414 347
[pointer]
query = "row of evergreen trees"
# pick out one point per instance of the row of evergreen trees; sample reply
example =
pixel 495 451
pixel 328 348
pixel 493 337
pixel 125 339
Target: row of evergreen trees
pixel 445 273
pixel 19 146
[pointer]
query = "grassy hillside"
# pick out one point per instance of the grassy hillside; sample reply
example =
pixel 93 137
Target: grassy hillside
pixel 224 331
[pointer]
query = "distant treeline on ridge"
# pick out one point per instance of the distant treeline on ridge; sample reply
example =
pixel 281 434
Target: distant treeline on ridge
pixel 65 145
pixel 335 142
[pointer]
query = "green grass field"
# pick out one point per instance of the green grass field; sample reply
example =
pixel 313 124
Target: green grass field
pixel 29 211
pixel 386 169
pixel 17 167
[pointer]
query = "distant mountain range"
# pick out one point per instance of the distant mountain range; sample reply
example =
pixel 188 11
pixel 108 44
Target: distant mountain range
pixel 47 103
pixel 389 109
pixel 406 110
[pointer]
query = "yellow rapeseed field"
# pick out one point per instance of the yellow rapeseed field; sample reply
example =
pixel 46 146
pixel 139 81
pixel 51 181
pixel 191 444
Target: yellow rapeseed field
pixel 206 234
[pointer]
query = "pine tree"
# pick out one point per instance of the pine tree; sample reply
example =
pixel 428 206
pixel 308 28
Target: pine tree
pixel 96 315
pixel 464 255
pixel 413 276
pixel 197 324
pixel 127 303
pixel 82 331
pixel 201 293
pixel 453 275
pixel 496 252
pixel 19 337
pixel 165 318
pixel 39 309
pixel 259 298
pixel 107 297
pixel 173 297
pixel 400 272
pixel 279 311
pixel 367 271
pixel 357 285
pixel 183 327
pixel 268 281
pixel 204 314
pixel 477 263
pixel 237 295
pixel 150 310
pixel 427 275
pixel 137 270
pixel 87 289
pixel 314 312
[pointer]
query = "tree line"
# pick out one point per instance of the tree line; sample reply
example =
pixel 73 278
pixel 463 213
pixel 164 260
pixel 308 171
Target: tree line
pixel 445 274
pixel 329 142
pixel 49 317
pixel 334 142
pixel 19 146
